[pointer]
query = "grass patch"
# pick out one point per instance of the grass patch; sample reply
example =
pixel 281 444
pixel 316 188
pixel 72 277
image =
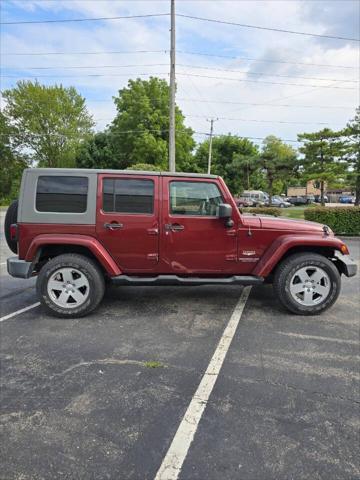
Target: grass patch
pixel 293 212
pixel 298 213
pixel 153 365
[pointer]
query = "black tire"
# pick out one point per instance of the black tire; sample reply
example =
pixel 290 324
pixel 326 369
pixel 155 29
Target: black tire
pixel 88 268
pixel 10 218
pixel 282 205
pixel 287 270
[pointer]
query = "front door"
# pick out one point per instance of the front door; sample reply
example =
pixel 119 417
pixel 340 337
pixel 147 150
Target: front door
pixel 127 221
pixel 194 239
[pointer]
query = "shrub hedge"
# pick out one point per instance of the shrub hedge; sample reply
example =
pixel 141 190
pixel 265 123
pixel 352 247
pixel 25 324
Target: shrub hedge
pixel 342 220
pixel 276 212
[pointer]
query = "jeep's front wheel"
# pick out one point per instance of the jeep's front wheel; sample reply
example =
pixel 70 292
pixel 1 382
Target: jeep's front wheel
pixel 307 284
pixel 70 286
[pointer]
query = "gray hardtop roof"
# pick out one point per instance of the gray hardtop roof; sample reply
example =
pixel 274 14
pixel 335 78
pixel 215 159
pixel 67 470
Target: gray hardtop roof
pixel 95 171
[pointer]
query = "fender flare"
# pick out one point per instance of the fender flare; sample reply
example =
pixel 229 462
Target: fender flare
pixel 95 247
pixel 284 243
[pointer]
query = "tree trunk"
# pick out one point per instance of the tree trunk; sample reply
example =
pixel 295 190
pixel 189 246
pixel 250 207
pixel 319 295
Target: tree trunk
pixel 322 193
pixel 357 183
pixel 270 190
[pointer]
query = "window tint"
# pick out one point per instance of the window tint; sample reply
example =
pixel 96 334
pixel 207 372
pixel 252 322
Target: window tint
pixel 194 198
pixel 128 195
pixel 61 194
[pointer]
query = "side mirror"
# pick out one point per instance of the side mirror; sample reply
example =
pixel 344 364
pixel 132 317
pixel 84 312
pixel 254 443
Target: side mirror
pixel 225 210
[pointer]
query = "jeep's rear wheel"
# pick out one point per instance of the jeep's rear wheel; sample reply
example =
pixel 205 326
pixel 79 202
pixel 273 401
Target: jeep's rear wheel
pixel 70 286
pixel 307 283
pixel 10 218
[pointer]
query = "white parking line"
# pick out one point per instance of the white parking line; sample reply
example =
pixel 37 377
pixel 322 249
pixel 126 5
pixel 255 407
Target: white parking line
pixel 315 337
pixel 174 459
pixel 18 312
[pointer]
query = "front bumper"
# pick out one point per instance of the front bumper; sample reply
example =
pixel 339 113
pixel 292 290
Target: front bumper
pixel 19 268
pixel 347 265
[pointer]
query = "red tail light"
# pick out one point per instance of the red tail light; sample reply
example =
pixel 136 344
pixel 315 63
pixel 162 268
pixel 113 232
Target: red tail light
pixel 14 232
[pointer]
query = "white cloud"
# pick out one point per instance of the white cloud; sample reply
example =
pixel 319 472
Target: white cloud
pixel 153 34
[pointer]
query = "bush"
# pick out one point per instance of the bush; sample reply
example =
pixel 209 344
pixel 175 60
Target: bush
pixel 342 220
pixel 276 212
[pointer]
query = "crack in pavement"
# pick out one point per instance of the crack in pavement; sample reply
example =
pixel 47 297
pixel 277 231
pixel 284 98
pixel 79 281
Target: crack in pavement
pixel 105 361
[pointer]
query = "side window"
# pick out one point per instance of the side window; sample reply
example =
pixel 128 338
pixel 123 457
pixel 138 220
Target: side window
pixel 63 194
pixel 128 195
pixel 194 198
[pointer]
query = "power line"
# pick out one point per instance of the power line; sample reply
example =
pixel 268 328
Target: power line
pixel 261 81
pixel 87 75
pixel 91 67
pixel 124 132
pixel 251 59
pixel 230 102
pixel 94 75
pixel 115 52
pixel 92 19
pixel 256 104
pixel 246 137
pixel 120 132
pixel 191 17
pixel 266 74
pixel 264 121
pixel 183 52
pixel 280 30
pixel 241 120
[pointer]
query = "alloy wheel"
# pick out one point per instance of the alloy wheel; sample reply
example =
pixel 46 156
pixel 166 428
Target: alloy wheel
pixel 310 286
pixel 68 287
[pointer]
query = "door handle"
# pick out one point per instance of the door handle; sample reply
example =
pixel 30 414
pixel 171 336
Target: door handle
pixel 174 227
pixel 113 226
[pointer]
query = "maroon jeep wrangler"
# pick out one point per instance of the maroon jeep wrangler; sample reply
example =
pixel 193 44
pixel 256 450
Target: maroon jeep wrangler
pixel 75 229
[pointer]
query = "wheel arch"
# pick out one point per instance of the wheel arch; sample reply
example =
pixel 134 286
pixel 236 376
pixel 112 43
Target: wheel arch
pixel 325 251
pixel 45 247
pixel 286 246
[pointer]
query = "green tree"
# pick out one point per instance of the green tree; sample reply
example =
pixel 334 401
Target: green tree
pixel 323 154
pixel 12 164
pixel 97 152
pixel 278 161
pixel 49 122
pixel 140 131
pixel 234 158
pixel 145 167
pixel 352 152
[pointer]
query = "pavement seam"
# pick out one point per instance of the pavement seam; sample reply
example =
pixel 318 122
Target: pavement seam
pixel 291 387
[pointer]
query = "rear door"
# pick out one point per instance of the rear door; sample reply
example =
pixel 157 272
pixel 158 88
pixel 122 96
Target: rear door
pixel 127 221
pixel 194 239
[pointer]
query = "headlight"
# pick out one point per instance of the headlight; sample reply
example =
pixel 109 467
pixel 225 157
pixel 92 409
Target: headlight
pixel 327 230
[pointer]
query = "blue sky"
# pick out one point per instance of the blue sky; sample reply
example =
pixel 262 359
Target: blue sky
pixel 252 94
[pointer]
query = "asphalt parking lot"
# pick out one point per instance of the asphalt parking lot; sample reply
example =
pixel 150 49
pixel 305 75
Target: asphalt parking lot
pixel 102 397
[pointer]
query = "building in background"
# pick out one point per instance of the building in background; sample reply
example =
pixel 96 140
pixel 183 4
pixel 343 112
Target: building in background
pixel 311 188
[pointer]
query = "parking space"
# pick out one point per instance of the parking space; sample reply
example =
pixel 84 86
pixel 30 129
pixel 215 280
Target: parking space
pixel 286 404
pixel 102 397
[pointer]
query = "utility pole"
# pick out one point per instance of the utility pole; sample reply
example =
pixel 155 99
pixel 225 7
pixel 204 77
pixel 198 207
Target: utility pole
pixel 212 120
pixel 172 166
